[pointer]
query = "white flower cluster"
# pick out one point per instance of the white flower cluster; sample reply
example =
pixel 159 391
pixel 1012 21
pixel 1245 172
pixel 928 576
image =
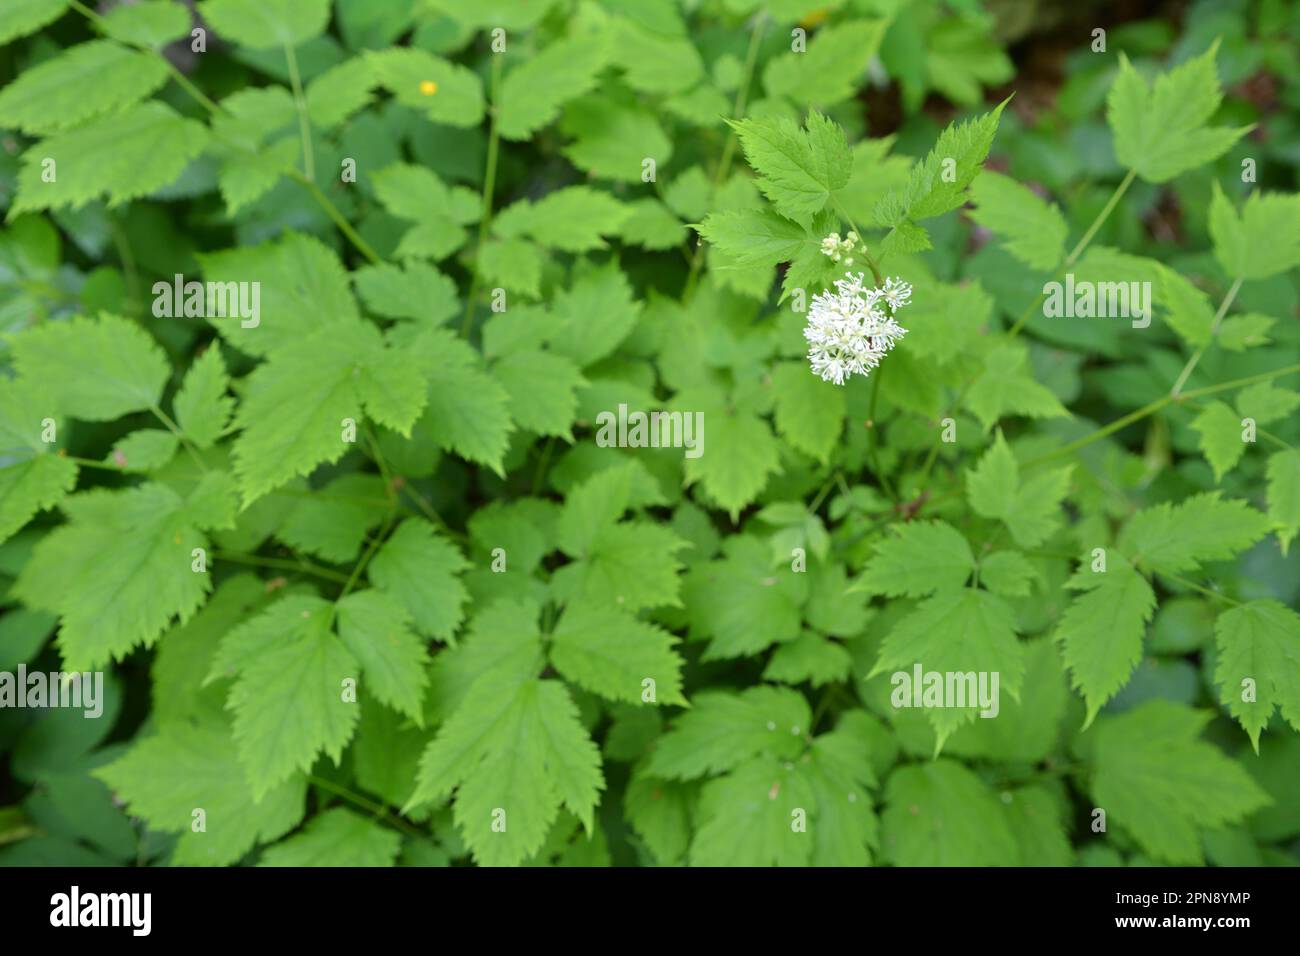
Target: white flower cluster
pixel 840 250
pixel 848 332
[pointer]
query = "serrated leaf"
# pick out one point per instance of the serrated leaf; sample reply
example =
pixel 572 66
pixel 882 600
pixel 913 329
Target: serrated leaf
pixel 1258 664
pixel 942 814
pixel 830 69
pixel 21 17
pixel 421 570
pixel 202 406
pixel 1162 785
pixel 443 91
pixel 611 653
pixel 1030 507
pixel 1283 475
pixel 1032 230
pixel 337 837
pixel 1221 439
pixel 572 219
pixel 164 777
pixel 755 236
pixel 632 565
pixel 722 730
pixel 153 24
pixel 83 81
pixel 1101 631
pixel 377 630
pixel 34 477
pixel 533 92
pixel 799 169
pixel 1263 241
pixel 1204 527
pixel 95 369
pixel 543 390
pixel 118 573
pixel 923 557
pixel 1006 387
pixel 1160 131
pixel 120 156
pixel 267 24
pixel 807 414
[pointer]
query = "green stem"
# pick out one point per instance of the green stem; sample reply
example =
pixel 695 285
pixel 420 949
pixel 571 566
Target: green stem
pixel 871 262
pixel 300 102
pixel 1079 247
pixel 489 187
pixel 371 548
pixel 1192 585
pixel 336 217
pixel 376 809
pixel 871 437
pixel 1153 407
pixel 180 436
pixel 1214 329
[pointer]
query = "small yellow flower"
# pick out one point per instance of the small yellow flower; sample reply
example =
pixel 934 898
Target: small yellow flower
pixel 428 87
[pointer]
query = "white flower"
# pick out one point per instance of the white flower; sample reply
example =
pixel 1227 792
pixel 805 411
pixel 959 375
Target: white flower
pixel 896 292
pixel 847 334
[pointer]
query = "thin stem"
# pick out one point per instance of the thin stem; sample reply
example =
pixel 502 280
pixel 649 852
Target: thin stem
pixel 257 561
pixel 1214 328
pixel 371 548
pixel 871 262
pixel 300 102
pixel 1154 407
pixel 377 809
pixel 871 437
pixel 91 463
pixel 821 494
pixel 337 217
pixel 489 187
pixel 180 436
pixel 1192 585
pixel 1080 246
pixel 729 147
pixel 1276 440
pixel 542 464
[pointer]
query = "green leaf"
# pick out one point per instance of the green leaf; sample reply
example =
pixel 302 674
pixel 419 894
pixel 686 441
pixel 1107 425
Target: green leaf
pixel 1030 508
pixel 96 369
pixel 414 290
pixel 651 225
pixel 339 92
pixel 289 697
pixel 942 814
pixel 295 411
pixel 1266 403
pixel 1160 131
pixel 830 70
pixel 422 571
pixel 1204 527
pixel 748 817
pixel 543 390
pixel 455 96
pixel 331 521
pixel 598 311
pixel 1032 231
pixel 1259 643
pixel 418 195
pixel 1283 474
pixel 145 450
pixel 1101 631
pixel 741 453
pixel 164 778
pixel 152 24
pixel 1187 308
pixel 742 603
pixel 966 631
pixel 1007 387
pixel 534 91
pixel 722 730
pixel 21 17
pixel 513 757
pixel 377 630
pixel 754 236
pixel 202 406
pixel 1007 573
pixel 266 24
pixel 809 657
pixel 613 139
pixel 799 170
pixel 337 837
pixel 118 573
pixel 1162 785
pixel 468 411
pixel 921 558
pixel 808 415
pixel 938 183
pixel 1263 241
pixel 572 219
pixel 81 82
pixel 1221 439
pixel 122 156
pixel 611 653
pixel 633 565
pixel 653 62
pixel 29 483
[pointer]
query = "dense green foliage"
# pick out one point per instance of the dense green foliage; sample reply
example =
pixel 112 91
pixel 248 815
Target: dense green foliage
pixel 365 582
